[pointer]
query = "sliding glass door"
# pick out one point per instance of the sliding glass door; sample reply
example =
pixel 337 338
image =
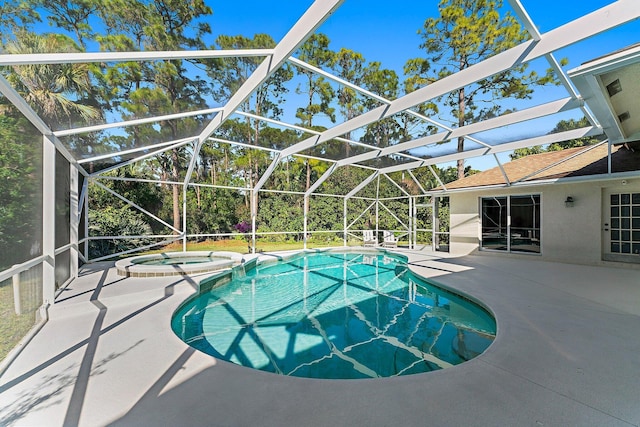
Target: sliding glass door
pixel 494 224
pixel 511 223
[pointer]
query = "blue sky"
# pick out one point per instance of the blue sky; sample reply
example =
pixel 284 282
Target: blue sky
pixel 387 32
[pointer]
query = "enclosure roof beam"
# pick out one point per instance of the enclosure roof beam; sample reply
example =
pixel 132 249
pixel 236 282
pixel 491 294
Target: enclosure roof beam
pixel 242 144
pixel 139 56
pixel 277 122
pixel 21 104
pixel 321 180
pixel 555 65
pixel 271 150
pixel 178 143
pixel 135 122
pixel 133 150
pixel 496 122
pixel 396 184
pixel 316 132
pixel 313 17
pixel 586 26
pixel 372 95
pixel 416 181
pixel 430 167
pixel 363 184
pixel 579 153
pixel 502 171
pixel 267 174
pixel 501 148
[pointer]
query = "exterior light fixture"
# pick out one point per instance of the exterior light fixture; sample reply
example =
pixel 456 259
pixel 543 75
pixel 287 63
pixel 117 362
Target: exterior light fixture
pixel 569 202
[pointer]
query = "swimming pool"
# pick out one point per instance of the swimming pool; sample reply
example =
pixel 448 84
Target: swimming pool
pixel 335 315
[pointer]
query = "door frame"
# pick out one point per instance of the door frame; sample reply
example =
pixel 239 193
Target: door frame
pixel 609 226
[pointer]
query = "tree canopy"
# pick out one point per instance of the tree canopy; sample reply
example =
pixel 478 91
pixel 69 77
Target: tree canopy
pixel 466 33
pixel 81 94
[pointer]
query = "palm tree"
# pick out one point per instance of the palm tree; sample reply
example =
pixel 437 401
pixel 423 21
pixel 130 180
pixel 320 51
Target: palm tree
pixel 57 92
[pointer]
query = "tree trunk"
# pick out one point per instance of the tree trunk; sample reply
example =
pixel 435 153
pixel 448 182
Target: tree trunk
pixel 461 113
pixel 176 190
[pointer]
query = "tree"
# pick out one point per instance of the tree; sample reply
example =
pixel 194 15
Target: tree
pixel 15 15
pixel 466 33
pixel 385 83
pixel 20 191
pixel 59 93
pixel 315 51
pixel 72 16
pixel 230 74
pixel 160 87
pixel 350 66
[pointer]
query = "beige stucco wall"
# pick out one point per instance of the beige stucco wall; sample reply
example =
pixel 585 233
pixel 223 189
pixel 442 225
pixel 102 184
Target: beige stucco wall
pixel 571 234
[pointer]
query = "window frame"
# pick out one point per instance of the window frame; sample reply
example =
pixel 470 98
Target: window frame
pixel 509 235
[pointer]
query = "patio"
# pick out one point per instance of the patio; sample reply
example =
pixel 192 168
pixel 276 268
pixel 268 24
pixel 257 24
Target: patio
pixel 565 354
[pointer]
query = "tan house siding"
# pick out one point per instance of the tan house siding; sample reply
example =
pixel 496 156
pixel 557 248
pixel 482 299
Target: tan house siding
pixel 464 223
pixel 569 234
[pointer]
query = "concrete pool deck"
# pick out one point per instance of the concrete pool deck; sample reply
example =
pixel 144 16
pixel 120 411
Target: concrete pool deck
pixel 567 353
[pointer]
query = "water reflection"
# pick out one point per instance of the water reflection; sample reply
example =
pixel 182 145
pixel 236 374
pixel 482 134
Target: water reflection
pixel 335 315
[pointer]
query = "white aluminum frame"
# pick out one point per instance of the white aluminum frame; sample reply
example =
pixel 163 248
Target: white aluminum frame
pixel 539 46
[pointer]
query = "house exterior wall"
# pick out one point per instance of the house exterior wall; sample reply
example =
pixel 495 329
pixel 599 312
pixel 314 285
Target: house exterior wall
pixel 569 234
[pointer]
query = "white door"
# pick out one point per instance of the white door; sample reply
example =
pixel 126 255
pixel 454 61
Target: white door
pixel 622 226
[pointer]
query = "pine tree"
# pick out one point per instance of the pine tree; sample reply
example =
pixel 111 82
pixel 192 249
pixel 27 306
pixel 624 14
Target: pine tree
pixel 466 33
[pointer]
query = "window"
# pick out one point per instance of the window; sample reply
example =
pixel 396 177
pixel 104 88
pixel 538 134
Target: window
pixel 511 223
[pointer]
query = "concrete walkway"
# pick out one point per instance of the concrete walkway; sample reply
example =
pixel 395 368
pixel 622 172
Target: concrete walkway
pixel 567 353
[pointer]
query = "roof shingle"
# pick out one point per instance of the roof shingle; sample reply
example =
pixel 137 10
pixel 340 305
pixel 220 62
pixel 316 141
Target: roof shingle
pixel 580 161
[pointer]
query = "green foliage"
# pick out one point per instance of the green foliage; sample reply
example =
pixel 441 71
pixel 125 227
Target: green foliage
pixel 315 51
pixel 60 93
pixel 466 33
pixel 212 210
pixel 280 212
pixel 526 151
pixel 20 191
pixel 15 15
pixel 113 221
pixel 325 213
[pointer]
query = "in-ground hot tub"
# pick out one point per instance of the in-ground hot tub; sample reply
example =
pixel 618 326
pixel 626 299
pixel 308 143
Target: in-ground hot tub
pixel 177 263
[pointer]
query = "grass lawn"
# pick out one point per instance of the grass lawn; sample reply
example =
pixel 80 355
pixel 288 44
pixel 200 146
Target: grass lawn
pixel 240 246
pixel 12 326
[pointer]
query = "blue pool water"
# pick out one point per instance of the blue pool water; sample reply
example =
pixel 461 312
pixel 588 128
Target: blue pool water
pixel 335 315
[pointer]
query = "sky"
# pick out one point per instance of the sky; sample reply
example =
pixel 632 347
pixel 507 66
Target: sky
pixel 388 32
